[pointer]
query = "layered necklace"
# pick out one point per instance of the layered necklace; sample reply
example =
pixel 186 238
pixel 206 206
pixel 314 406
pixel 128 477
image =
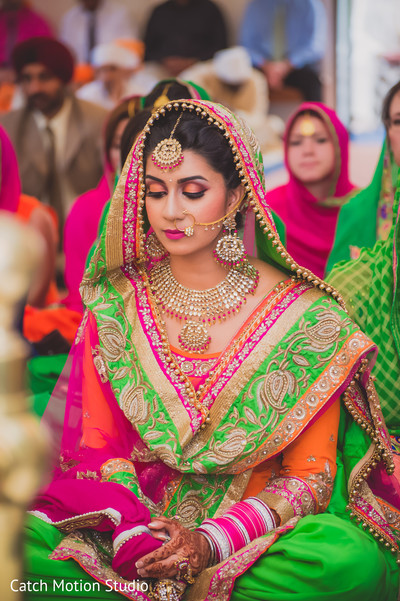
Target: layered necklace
pixel 200 309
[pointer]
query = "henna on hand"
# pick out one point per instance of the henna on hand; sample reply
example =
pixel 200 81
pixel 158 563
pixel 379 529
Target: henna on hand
pixel 184 543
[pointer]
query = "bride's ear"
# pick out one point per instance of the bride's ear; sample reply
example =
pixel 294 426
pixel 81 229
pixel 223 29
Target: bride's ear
pixel 234 196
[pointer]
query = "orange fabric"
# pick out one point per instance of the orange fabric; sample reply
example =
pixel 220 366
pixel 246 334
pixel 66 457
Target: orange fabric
pixel 6 96
pixel 40 322
pixel 97 420
pixel 27 204
pixel 135 46
pixel 83 73
pixel 307 455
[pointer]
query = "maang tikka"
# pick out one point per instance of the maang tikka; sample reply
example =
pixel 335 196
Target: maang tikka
pixel 230 250
pixel 168 153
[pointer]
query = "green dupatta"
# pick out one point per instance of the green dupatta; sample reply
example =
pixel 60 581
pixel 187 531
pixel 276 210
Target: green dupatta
pixel 297 354
pixel 367 217
pixel 370 286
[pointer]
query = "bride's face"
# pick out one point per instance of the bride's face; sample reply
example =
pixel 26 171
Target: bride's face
pixel 195 187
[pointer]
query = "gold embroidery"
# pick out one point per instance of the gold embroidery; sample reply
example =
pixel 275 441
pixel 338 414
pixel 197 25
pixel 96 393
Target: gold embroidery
pixel 282 507
pixel 217 582
pixel 322 485
pixel 88 475
pixel 86 549
pixel 82 327
pixel 112 337
pixel 134 405
pixel 99 364
pixel 113 466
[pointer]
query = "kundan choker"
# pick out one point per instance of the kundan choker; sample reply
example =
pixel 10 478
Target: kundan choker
pixel 200 309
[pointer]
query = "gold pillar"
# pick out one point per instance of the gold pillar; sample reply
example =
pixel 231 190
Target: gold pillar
pixel 23 443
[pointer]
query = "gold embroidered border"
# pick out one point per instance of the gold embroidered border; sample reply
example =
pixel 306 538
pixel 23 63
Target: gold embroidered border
pixel 86 520
pixel 234 492
pixel 74 546
pixel 115 222
pixel 218 580
pixel 282 507
pixel 243 375
pixel 159 381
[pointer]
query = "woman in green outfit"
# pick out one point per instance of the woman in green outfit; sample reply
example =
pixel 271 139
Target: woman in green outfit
pixel 220 407
pixel 368 215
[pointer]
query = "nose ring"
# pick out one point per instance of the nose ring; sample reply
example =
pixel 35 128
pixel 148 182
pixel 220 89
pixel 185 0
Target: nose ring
pixel 189 229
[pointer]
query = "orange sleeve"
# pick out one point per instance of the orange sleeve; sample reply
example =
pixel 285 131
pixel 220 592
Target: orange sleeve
pixel 314 452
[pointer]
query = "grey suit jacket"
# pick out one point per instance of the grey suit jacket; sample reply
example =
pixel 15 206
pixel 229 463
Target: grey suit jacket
pixel 83 161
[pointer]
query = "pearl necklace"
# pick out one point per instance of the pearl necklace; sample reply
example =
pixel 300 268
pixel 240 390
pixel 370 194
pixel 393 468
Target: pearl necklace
pixel 199 309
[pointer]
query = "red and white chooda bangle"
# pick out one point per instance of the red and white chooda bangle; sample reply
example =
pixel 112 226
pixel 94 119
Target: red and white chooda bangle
pixel 242 523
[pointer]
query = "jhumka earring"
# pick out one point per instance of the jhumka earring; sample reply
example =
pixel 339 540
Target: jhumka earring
pixel 230 250
pixel 168 153
pixel 154 249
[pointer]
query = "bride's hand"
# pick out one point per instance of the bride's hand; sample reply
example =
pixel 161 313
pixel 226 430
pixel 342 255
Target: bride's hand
pixel 184 544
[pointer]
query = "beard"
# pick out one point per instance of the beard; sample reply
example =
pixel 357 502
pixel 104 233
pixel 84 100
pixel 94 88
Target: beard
pixel 45 103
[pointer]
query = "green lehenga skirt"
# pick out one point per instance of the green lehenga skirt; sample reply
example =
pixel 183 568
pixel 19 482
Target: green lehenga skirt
pixel 324 558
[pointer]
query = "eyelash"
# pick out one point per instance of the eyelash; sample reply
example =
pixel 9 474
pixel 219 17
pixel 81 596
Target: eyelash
pixel 190 195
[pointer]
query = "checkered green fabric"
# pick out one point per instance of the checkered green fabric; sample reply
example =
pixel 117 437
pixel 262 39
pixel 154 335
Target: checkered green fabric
pixel 370 288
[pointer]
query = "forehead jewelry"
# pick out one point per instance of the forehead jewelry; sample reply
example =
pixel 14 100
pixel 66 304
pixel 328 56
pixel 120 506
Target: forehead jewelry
pixel 307 127
pixel 168 153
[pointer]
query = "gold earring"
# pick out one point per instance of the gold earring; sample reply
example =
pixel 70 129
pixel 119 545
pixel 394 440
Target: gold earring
pixel 154 249
pixel 230 250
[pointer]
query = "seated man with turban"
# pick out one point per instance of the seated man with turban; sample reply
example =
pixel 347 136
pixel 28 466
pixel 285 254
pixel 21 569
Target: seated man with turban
pixel 57 137
pixel 118 74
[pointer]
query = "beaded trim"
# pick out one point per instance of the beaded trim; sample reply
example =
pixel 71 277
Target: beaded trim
pixel 123 537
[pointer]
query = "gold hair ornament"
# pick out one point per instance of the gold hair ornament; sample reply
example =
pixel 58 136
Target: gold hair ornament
pixel 168 153
pixel 162 99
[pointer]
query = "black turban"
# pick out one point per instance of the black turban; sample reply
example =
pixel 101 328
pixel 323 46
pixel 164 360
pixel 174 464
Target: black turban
pixel 46 51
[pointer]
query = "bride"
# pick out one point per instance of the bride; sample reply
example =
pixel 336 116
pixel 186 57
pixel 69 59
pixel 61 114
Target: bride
pixel 221 430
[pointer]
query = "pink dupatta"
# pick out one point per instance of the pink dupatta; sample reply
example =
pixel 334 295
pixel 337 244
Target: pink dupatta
pixel 10 184
pixel 311 224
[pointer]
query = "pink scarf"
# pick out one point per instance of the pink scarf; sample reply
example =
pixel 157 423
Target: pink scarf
pixel 310 223
pixel 10 184
pixel 80 232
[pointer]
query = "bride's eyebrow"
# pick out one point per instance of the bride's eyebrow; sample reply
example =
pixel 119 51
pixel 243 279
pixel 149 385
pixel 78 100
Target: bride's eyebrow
pixel 192 177
pixel 156 179
pixel 179 181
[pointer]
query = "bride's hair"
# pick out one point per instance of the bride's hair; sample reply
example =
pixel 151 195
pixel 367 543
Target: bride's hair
pixel 194 133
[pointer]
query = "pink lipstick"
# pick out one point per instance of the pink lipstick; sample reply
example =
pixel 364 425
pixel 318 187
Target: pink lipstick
pixel 174 234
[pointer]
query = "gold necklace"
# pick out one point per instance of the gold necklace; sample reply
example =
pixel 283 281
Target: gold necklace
pixel 200 309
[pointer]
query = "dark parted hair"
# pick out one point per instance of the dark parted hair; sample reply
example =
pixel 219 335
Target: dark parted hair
pixel 387 102
pixel 194 133
pixel 170 88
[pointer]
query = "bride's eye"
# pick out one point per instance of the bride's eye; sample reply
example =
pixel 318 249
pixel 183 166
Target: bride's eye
pixel 155 191
pixel 193 190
